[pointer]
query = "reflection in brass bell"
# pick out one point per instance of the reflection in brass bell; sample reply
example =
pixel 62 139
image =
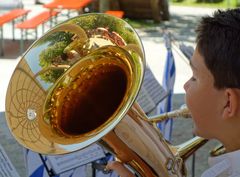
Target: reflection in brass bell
pixel 54 83
pixel 77 85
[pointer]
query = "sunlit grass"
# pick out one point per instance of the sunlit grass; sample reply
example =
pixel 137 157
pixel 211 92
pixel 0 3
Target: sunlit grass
pixel 193 3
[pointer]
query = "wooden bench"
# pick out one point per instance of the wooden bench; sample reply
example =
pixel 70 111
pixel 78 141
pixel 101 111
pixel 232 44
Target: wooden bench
pixel 33 23
pixel 7 17
pixel 68 5
pixel 116 13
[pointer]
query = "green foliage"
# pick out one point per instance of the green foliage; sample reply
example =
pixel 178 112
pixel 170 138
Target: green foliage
pixel 51 76
pixel 52 57
pixel 110 23
pixel 56 37
pixel 49 55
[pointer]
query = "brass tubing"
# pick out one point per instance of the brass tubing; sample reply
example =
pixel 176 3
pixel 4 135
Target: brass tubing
pixel 182 112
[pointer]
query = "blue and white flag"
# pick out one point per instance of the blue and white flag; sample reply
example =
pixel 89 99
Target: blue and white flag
pixel 168 85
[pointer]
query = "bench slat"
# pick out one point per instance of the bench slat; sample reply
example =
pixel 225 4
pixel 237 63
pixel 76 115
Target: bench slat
pixel 33 22
pixel 64 4
pixel 116 13
pixel 11 15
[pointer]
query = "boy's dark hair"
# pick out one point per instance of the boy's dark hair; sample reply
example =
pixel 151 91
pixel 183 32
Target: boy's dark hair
pixel 218 41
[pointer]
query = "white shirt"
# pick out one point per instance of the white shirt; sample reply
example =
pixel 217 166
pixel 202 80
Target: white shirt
pixel 226 165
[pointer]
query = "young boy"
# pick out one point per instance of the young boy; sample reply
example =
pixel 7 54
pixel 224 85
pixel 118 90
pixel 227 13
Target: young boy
pixel 213 92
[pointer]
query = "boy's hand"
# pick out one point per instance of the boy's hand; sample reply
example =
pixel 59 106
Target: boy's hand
pixel 120 169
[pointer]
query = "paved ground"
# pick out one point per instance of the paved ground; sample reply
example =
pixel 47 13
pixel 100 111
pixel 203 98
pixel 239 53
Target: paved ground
pixel 182 24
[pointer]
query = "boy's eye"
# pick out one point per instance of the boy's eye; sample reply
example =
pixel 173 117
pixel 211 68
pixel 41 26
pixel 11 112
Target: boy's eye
pixel 193 78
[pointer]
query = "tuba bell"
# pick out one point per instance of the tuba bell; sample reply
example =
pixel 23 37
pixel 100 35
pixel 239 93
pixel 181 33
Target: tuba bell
pixel 77 85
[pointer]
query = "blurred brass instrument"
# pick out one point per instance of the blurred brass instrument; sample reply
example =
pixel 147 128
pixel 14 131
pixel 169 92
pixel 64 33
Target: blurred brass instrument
pixel 77 85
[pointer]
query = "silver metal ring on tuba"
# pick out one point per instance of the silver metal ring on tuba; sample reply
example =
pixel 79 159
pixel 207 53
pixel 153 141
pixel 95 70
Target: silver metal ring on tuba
pixel 77 85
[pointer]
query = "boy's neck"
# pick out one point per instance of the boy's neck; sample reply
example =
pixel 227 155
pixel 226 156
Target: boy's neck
pixel 231 139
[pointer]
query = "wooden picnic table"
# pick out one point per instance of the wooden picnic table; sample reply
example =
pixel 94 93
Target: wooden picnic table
pixel 10 16
pixel 67 4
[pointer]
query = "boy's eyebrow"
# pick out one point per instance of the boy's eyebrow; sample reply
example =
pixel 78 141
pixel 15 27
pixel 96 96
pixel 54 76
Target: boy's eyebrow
pixel 192 66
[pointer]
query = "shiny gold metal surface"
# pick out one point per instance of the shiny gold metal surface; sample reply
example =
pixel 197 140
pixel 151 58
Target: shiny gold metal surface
pixel 42 109
pixel 183 112
pixel 77 85
pixel 218 150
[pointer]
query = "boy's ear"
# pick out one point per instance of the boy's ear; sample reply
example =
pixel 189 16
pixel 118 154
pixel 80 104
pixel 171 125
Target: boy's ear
pixel 231 103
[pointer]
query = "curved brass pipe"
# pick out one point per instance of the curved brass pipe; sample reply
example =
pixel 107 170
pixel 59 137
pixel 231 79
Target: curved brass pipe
pixel 183 112
pixel 77 85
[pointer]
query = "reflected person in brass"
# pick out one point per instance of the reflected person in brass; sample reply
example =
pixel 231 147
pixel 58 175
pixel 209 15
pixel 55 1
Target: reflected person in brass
pixel 213 92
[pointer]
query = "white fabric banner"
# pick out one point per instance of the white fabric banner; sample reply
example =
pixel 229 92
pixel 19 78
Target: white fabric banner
pixel 168 85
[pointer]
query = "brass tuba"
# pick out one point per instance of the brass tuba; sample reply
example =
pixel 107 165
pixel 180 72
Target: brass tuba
pixel 77 85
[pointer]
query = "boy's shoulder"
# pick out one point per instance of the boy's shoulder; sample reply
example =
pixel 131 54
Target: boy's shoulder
pixel 226 165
